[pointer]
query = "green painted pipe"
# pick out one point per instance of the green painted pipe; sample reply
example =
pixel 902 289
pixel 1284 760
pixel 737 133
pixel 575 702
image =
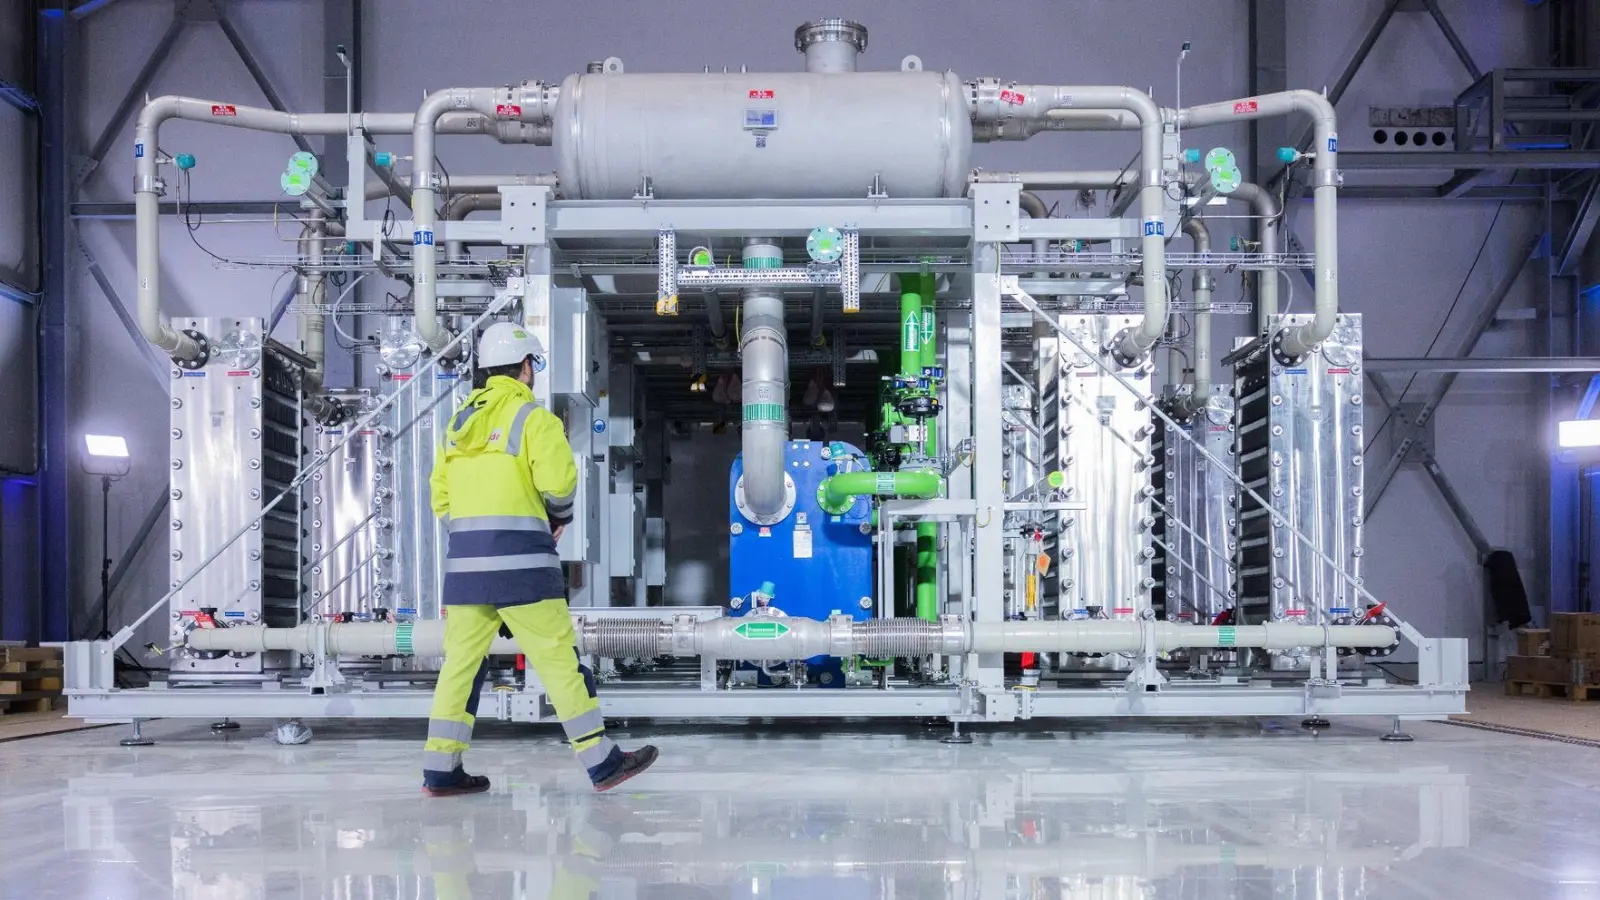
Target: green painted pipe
pixel 837 491
pixel 928 532
pixel 910 325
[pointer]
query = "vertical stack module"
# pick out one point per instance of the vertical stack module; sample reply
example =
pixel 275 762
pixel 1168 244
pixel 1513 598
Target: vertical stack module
pixel 1097 434
pixel 1299 444
pixel 236 446
pixel 408 539
pixel 343 560
pixel 1193 565
pixel 1029 533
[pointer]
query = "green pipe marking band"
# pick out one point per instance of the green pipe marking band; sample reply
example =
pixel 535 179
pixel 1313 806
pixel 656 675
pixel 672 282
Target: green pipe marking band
pixel 1226 635
pixel 764 262
pixel 402 639
pixel 885 482
pixel 763 412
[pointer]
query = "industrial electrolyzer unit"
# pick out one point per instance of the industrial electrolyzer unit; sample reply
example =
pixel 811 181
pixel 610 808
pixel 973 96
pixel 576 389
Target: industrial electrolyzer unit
pixel 1062 501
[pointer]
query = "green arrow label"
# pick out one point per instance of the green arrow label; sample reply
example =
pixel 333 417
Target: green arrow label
pixel 761 631
pixel 1226 636
pixel 912 329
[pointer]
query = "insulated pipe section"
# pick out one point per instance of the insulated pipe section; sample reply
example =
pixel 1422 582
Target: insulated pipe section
pixel 1264 204
pixel 1292 344
pixel 993 103
pixel 764 348
pixel 532 102
pixel 771 637
pixel 1204 284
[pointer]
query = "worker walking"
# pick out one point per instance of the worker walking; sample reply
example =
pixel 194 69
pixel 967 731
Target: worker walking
pixel 503 481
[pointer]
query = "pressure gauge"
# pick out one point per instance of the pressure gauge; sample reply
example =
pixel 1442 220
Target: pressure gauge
pixel 304 162
pixel 239 349
pixel 294 183
pixel 825 244
pixel 701 257
pixel 1226 181
pixel 399 349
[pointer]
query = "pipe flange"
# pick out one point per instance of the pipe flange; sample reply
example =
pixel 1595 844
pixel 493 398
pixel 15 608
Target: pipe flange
pixel 831 29
pixel 202 351
pixel 1382 652
pixel 1281 356
pixel 1120 358
pixel 789 496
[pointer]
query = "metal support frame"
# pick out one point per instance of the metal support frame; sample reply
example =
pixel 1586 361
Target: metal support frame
pixel 159 367
pixel 1565 261
pixel 57 457
pixel 1530 365
pixel 1485 318
pixel 1269 74
pixel 184 12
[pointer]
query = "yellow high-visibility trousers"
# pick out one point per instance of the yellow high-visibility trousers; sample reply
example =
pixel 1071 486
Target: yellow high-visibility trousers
pixel 544 633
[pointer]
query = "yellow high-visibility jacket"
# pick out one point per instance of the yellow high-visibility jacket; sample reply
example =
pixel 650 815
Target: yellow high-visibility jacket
pixel 503 475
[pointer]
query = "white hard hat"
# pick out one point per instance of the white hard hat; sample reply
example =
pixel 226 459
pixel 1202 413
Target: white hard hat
pixel 506 344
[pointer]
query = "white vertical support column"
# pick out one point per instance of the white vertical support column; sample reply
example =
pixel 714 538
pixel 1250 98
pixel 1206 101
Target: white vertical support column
pixel 955 428
pixel 986 671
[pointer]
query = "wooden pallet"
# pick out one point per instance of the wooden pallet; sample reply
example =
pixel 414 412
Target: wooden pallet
pixel 30 679
pixel 1574 692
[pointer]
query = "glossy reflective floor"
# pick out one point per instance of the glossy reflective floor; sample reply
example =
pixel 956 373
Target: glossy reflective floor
pixel 1097 811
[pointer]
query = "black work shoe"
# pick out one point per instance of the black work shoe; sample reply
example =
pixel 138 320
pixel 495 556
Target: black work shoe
pixel 631 765
pixel 468 784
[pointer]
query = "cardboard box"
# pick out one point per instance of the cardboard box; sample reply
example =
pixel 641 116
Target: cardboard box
pixel 1550 670
pixel 1574 634
pixel 1533 642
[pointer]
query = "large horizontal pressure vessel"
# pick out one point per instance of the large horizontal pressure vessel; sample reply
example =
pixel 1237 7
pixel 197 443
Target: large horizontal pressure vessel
pixel 784 135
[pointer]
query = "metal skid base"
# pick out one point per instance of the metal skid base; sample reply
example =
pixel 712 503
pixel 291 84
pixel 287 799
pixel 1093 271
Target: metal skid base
pixel 954 703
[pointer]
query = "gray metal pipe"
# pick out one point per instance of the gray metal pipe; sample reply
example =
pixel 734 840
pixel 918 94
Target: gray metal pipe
pixel 148 187
pixel 464 184
pixel 1030 203
pixel 1293 344
pixel 1067 180
pixel 531 102
pixel 764 347
pixel 714 319
pixel 1203 285
pixel 1269 214
pixel 818 303
pixel 768 637
pixel 1055 120
pixel 991 103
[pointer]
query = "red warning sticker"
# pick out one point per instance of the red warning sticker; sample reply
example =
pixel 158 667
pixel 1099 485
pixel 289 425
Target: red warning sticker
pixel 508 110
pixel 238 373
pixel 1122 610
pixel 1246 107
pixel 1014 98
pixel 402 377
pixel 1337 371
pixel 1294 612
pixel 761 94
pixel 224 109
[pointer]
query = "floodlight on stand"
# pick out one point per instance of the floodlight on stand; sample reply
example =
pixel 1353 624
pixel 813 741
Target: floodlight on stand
pixel 106 454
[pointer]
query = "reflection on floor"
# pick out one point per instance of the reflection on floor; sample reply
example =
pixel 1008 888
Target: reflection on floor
pixel 1101 810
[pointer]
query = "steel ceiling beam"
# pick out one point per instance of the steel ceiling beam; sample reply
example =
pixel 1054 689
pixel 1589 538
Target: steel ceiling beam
pixel 1469 159
pixel 58 459
pixel 90 210
pixel 1485 365
pixel 90 7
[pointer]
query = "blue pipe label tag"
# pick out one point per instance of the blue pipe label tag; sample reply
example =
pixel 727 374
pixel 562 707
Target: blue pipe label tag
pixel 423 237
pixel 1154 227
pixel 138 151
pixel 761 118
pixel 194 374
pixel 234 614
pixel 1333 143
pixel 1295 371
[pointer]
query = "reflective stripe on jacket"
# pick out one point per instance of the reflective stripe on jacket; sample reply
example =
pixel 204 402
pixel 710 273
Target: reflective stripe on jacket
pixel 502 476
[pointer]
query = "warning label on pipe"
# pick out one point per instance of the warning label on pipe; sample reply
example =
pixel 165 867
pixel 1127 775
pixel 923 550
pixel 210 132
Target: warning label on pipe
pixel 1246 107
pixel 224 109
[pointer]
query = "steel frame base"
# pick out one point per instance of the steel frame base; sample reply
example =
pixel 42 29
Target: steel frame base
pixel 955 703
